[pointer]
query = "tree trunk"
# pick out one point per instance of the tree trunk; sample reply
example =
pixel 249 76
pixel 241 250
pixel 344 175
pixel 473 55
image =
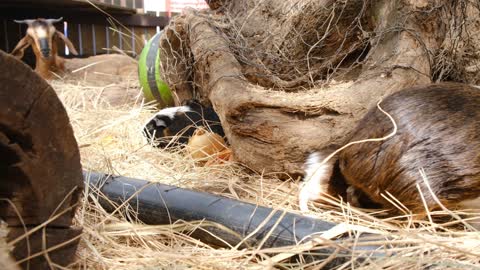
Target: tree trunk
pixel 290 77
pixel 40 170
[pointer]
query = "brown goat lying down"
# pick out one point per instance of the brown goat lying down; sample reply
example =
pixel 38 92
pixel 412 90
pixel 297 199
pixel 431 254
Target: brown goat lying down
pixel 42 36
pixel 438 131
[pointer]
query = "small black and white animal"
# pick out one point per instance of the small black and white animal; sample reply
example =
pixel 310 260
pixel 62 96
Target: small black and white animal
pixel 175 125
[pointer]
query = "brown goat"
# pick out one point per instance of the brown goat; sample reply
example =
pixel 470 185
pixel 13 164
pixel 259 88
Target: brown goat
pixel 42 36
pixel 438 131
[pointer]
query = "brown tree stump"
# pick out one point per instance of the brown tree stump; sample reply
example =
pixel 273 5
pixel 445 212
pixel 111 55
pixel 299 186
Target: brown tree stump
pixel 40 171
pixel 273 69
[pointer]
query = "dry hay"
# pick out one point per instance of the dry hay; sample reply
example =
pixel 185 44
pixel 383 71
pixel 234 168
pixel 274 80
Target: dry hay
pixel 110 141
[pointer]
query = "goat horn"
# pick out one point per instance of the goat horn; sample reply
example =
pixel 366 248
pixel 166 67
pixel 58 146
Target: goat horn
pixel 24 21
pixel 54 20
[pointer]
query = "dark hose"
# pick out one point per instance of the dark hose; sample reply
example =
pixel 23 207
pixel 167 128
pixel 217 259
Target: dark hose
pixel 163 204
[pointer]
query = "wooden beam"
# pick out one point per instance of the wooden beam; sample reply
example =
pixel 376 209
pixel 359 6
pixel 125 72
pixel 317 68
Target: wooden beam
pixel 82 16
pixel 73 4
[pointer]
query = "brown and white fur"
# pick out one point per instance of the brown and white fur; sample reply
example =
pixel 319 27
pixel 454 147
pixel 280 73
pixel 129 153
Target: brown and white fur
pixel 42 36
pixel 438 131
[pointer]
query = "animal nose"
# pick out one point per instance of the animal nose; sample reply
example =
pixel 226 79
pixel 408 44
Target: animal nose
pixel 44 48
pixel 45 52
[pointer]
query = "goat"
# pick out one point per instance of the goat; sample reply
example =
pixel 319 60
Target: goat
pixel 438 131
pixel 180 122
pixel 42 36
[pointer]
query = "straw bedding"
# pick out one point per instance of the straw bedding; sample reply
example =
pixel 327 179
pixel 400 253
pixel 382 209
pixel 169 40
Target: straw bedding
pixel 110 141
pixel 107 120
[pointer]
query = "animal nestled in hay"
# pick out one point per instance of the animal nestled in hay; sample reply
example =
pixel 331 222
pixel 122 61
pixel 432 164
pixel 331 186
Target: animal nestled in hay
pixel 106 70
pixel 42 37
pixel 273 124
pixel 193 124
pixel 433 129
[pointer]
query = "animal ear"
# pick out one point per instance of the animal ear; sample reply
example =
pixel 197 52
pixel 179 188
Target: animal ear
pixel 67 41
pixel 21 46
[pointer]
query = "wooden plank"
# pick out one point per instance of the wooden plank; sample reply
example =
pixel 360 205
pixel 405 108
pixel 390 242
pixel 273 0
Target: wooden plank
pixel 125 39
pixel 60 44
pixel 151 32
pixel 85 17
pixel 113 38
pixel 73 35
pixel 144 20
pixel 101 40
pixel 80 38
pixel 15 32
pixel 4 42
pixel 133 43
pixel 85 44
pixel 145 35
pixel 87 40
pixel 139 35
pixel 121 38
pixel 138 4
pixel 107 39
pixel 112 7
pixel 94 39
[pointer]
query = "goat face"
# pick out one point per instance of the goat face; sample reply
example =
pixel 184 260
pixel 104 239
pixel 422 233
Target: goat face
pixel 41 35
pixel 43 32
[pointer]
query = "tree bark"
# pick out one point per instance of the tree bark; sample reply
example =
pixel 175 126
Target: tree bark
pixel 40 170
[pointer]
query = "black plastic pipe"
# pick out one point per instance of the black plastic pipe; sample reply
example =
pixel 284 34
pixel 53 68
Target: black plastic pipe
pixel 163 204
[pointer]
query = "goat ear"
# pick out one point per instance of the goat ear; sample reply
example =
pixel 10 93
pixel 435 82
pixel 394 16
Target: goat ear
pixel 67 41
pixel 21 46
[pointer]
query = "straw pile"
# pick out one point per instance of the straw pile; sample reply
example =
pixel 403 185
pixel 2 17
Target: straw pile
pixel 110 141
